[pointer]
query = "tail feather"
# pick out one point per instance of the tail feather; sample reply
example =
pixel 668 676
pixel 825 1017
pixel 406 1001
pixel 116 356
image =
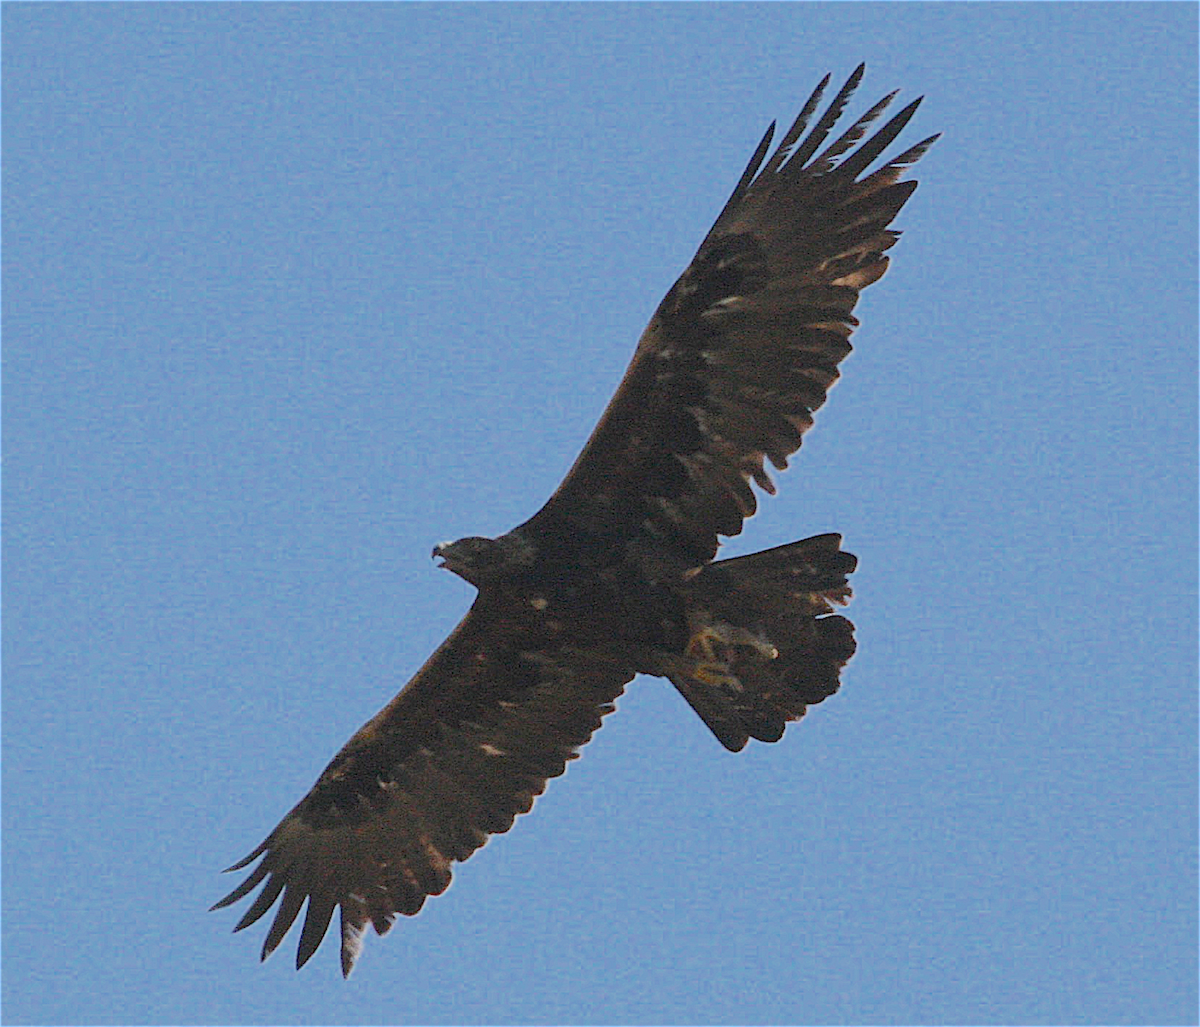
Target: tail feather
pixel 765 641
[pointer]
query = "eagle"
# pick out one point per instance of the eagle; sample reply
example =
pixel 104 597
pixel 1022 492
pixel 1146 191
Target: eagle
pixel 615 575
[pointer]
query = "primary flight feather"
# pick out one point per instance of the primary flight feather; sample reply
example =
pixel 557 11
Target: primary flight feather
pixel 614 576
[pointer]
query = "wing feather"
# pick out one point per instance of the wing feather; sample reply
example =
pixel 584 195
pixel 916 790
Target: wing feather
pixel 262 902
pixel 746 345
pixel 787 143
pixel 316 923
pixel 823 127
pixel 463 750
pixel 294 895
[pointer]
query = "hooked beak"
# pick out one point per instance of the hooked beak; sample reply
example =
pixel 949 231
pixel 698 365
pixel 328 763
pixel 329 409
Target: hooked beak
pixel 439 551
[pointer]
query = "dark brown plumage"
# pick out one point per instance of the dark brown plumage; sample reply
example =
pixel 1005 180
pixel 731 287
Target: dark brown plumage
pixel 614 575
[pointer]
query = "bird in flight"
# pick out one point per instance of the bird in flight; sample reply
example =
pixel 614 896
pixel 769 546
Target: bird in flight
pixel 615 576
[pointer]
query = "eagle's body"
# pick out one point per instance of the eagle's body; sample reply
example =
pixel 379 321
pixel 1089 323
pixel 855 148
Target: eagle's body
pixel 615 575
pixel 592 598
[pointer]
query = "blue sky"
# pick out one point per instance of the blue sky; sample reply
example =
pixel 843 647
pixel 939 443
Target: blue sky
pixel 293 292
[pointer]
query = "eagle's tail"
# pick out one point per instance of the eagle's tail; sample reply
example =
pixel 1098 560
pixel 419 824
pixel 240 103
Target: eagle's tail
pixel 765 643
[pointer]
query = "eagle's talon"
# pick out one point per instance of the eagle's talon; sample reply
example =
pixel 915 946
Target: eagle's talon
pixel 716 674
pixel 703 643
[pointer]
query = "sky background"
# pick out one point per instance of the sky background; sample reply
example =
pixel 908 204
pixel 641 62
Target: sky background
pixel 294 292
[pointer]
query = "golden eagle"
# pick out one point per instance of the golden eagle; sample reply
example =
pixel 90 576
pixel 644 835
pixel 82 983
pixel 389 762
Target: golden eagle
pixel 614 576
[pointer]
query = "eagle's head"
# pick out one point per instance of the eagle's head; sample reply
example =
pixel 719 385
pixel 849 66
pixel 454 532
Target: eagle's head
pixel 480 560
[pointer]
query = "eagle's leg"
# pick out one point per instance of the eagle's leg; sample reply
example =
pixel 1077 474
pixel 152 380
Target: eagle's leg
pixel 710 647
pixel 716 674
pixel 705 640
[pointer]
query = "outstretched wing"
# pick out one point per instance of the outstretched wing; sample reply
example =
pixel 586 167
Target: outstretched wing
pixel 455 757
pixel 746 344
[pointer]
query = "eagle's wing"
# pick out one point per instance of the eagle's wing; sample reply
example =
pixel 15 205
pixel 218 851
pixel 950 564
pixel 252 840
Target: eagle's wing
pixel 746 344
pixel 455 757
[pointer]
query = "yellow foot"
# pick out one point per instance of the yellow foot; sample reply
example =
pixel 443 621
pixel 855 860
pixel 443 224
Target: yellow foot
pixel 703 644
pixel 716 674
pixel 705 641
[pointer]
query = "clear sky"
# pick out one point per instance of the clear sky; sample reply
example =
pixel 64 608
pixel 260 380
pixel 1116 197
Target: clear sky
pixel 293 292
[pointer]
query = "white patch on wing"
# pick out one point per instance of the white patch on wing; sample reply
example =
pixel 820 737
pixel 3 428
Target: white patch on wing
pixel 539 603
pixel 725 306
pixel 491 750
pixel 352 940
